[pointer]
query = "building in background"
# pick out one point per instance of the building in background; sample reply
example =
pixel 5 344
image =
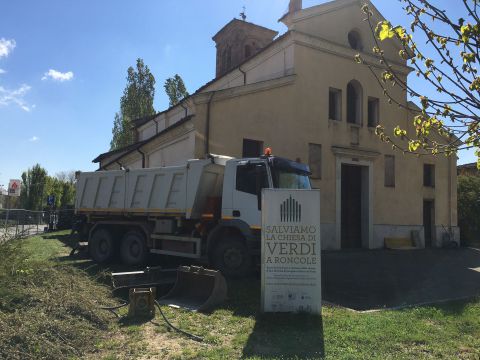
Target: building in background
pixel 303 95
pixel 468 170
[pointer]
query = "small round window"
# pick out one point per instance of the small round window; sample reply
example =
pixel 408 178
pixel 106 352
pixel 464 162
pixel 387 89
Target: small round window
pixel 354 40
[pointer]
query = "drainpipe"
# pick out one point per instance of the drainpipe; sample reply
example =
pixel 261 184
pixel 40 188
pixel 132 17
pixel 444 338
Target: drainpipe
pixel 450 183
pixel 119 164
pixel 244 75
pixel 207 129
pixel 143 158
pixel 156 126
pixel 186 109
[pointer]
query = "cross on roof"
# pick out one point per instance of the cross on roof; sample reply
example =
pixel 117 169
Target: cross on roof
pixel 243 14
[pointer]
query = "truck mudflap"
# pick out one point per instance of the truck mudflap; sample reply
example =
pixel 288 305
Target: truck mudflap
pixel 196 289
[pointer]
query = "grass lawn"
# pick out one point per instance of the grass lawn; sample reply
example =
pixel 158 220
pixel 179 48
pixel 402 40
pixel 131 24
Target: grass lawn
pixel 49 308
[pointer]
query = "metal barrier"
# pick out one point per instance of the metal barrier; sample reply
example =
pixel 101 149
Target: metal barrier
pixel 19 223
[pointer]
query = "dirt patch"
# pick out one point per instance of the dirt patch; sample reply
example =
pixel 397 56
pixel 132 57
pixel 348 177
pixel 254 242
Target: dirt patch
pixel 165 344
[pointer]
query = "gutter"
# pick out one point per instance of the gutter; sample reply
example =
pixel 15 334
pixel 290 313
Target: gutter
pixel 450 183
pixel 185 107
pixel 244 75
pixel 143 158
pixel 207 129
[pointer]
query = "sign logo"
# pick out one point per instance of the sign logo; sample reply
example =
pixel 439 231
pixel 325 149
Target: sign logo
pixel 51 200
pixel 14 187
pixel 290 211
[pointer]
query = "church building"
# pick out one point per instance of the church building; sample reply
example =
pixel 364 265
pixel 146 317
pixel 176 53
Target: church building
pixel 302 94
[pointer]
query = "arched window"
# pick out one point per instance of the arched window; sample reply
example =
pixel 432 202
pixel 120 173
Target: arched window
pixel 355 40
pixel 248 51
pixel 354 102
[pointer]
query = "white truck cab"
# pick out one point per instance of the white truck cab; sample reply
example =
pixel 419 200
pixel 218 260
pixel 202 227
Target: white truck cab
pixel 244 180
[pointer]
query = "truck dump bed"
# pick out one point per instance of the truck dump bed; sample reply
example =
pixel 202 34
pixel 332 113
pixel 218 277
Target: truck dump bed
pixel 176 190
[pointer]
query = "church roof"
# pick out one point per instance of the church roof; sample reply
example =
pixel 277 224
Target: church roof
pixel 237 22
pixel 134 147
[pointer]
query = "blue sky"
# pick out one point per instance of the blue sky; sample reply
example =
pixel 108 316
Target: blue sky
pixel 63 66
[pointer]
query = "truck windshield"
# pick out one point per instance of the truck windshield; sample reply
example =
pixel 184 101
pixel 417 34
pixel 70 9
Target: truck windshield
pixel 290 180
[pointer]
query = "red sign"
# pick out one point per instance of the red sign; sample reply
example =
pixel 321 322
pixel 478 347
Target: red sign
pixel 14 187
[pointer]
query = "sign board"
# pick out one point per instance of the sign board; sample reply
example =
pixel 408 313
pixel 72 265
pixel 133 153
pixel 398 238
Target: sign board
pixel 14 187
pixel 51 200
pixel 291 251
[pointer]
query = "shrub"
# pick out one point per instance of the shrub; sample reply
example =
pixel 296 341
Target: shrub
pixel 469 208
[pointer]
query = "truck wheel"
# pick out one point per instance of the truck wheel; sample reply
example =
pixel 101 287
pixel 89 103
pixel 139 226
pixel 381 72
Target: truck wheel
pixel 101 246
pixel 231 257
pixel 133 249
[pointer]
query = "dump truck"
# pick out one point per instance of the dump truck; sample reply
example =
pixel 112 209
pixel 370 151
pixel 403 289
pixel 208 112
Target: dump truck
pixel 208 210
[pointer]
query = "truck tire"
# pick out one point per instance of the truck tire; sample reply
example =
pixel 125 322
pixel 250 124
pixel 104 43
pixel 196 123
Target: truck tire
pixel 133 249
pixel 101 246
pixel 231 257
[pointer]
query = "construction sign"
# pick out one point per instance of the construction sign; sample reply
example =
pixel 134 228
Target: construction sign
pixel 14 187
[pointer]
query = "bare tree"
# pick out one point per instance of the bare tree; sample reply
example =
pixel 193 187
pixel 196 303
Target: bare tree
pixel 66 176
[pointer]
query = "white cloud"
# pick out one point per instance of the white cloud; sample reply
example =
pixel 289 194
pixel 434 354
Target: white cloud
pixel 16 97
pixel 33 139
pixel 6 47
pixel 2 71
pixel 57 75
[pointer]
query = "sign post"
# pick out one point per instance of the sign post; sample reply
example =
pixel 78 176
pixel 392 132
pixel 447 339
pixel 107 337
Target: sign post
pixel 291 251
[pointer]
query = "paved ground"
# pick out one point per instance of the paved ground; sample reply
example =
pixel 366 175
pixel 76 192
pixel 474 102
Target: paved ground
pixel 375 279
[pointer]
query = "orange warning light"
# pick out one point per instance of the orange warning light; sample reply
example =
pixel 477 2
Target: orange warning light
pixel 268 151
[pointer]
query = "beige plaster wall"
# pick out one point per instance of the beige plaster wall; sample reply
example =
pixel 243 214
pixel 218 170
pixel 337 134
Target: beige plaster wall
pixel 334 21
pixel 290 117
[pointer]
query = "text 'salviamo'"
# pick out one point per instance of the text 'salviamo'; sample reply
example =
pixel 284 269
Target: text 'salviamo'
pixel 291 279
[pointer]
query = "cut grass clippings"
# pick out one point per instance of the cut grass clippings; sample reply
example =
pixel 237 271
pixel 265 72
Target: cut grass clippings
pixel 49 309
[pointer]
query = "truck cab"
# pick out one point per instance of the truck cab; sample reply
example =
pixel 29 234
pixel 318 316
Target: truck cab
pixel 240 223
pixel 244 180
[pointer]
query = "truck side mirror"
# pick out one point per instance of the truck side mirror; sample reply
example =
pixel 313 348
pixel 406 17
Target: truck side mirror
pixel 259 175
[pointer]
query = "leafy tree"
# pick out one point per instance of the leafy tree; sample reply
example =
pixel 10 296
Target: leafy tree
pixel 447 62
pixel 121 134
pixel 53 187
pixel 175 89
pixel 37 185
pixel 62 186
pixel 67 181
pixel 469 208
pixel 34 182
pixel 136 102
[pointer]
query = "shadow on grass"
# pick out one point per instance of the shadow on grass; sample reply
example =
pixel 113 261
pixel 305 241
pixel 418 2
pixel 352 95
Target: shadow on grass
pixel 456 307
pixel 126 321
pixel 66 239
pixel 274 335
pixel 286 335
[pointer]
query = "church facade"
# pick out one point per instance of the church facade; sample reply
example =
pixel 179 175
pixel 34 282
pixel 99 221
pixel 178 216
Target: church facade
pixel 303 95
